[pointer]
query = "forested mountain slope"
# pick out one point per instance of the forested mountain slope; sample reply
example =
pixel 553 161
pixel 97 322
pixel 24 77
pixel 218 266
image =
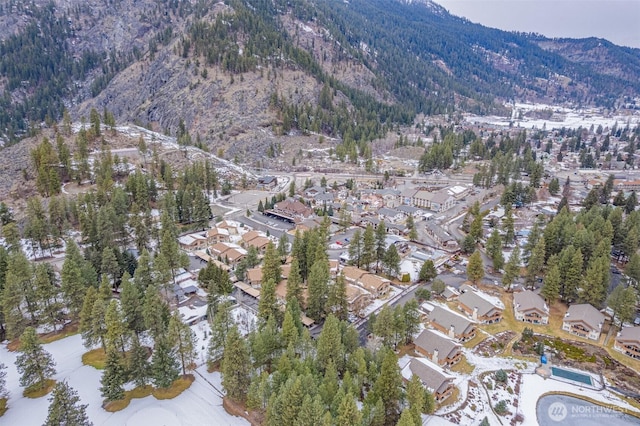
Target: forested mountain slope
pixel 237 73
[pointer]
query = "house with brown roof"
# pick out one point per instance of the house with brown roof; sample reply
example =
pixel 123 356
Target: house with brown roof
pixel 530 307
pixel 432 377
pixel 353 274
pixel 228 253
pixel 217 235
pixel 480 306
pixel 628 342
pixel 291 210
pixel 583 320
pixel 439 348
pixel 231 227
pixel 451 324
pixel 357 299
pixel 253 277
pixel 374 284
pixel 192 242
pixel 255 239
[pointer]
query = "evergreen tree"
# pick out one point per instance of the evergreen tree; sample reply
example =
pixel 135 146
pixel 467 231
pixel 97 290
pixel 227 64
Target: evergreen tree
pixel 368 247
pixel 388 386
pixel 183 340
pixel 143 275
pixel 411 226
pixel 595 283
pixel 164 366
pixel 155 312
pixel 47 295
pixel 318 288
pixel 236 366
pixel 355 249
pixel 411 317
pixel 131 302
pixel 622 301
pixel 475 267
pixel 65 408
pixel 294 283
pixel 572 268
pixel 391 261
pixel 632 268
pixel 98 326
pixel 311 412
pixel 86 323
pixel 508 226
pixel 348 413
pixel 427 271
pixel 3 382
pixel 381 243
pixel 554 187
pixel 536 263
pixel 407 419
pixel 271 269
pixel 139 369
pixel 220 326
pixel 494 250
pixel 415 397
pixel 632 202
pixel 116 335
pixel 552 280
pixel 113 377
pixel 330 348
pixel 73 279
pixel 337 298
pixel 268 304
pixel 512 268
pixel 34 364
pixel 290 332
pixel 438 286
pixel 384 326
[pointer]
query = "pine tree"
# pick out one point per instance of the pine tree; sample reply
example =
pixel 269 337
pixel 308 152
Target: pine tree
pixel 388 386
pixel 536 263
pixel 572 268
pixel 415 397
pixel 98 326
pixel 368 247
pixel 494 250
pixel 407 419
pixel 318 287
pixel 65 408
pixel 116 335
pixel 86 323
pixel 348 413
pixel 47 294
pixel 381 243
pixel 475 267
pixel 219 328
pixel 596 282
pixel 391 261
pixel 72 280
pixel 383 326
pixel 337 298
pixel 109 265
pixel 294 283
pixel 311 412
pixel 139 369
pixel 330 347
pixel 508 228
pixel 113 377
pixel 183 340
pixel 142 277
pixel 355 249
pixel 34 364
pixel 3 382
pixel 268 304
pixel 164 366
pixel 512 268
pixel 271 269
pixel 155 312
pixel 552 280
pixel 427 271
pixel 131 302
pixel 236 366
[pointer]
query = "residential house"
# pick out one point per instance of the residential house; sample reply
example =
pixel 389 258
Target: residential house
pixel 357 299
pixel 353 274
pixel 390 215
pixel 217 235
pixel 374 284
pixel 267 182
pixel 192 242
pixel 292 210
pixel 439 348
pixel 583 320
pixel 450 293
pixel 410 211
pixel 628 342
pixel 530 307
pixel 229 253
pixel 480 306
pixel 441 237
pixel 255 239
pixel 253 277
pixel 231 227
pixel 452 324
pixel 432 377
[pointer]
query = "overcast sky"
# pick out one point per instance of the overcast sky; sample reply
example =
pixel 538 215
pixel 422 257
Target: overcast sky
pixel 615 20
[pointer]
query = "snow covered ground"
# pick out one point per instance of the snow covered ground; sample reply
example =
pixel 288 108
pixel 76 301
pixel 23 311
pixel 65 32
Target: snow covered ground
pixel 201 404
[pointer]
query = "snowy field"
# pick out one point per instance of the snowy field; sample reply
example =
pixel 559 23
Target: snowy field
pixel 201 404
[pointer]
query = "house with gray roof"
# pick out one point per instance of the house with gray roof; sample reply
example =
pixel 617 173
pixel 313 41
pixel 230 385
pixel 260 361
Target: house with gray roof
pixel 583 320
pixel 479 306
pixel 628 342
pixel 432 377
pixel 390 215
pixel 452 324
pixel 530 307
pixel 438 348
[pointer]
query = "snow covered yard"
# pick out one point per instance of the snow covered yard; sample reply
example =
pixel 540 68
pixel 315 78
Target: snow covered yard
pixel 199 405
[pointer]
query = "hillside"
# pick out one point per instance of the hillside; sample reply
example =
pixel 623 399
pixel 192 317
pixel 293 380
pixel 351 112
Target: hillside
pixel 238 76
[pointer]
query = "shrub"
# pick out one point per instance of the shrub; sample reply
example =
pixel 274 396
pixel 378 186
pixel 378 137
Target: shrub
pixel 501 408
pixel 501 376
pixel 489 385
pixel 527 333
pixel 485 422
pixel 510 390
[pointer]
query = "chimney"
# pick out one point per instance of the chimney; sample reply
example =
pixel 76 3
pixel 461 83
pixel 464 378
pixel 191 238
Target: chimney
pixel 452 332
pixel 434 357
pixel 475 314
